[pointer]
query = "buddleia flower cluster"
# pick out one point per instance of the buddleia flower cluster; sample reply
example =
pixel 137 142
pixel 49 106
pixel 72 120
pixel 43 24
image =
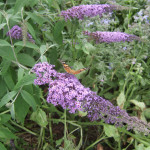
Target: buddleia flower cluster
pixel 82 11
pixel 108 37
pixel 66 90
pixel 16 33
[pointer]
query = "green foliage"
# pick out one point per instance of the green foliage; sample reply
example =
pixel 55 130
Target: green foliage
pixel 116 71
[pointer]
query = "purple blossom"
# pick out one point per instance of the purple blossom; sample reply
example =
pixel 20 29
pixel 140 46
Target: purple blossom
pixel 66 90
pixel 124 48
pixel 81 11
pixel 16 33
pixel 109 37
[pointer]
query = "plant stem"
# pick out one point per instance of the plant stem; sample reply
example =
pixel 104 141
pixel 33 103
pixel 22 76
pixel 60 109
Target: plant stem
pixel 27 130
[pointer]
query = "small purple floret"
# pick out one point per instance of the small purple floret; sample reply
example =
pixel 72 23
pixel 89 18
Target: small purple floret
pixel 16 33
pixel 108 37
pixel 82 11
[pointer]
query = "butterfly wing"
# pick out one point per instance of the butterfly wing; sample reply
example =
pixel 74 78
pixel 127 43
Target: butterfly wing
pixel 77 71
pixel 71 71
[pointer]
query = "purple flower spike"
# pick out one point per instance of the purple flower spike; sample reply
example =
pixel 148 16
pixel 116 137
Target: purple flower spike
pixel 81 11
pixel 16 33
pixel 66 90
pixel 108 37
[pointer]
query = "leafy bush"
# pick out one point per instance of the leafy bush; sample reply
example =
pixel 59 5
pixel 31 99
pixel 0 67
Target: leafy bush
pixel 116 70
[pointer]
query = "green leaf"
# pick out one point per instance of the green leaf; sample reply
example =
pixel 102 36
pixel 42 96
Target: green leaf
pixel 31 30
pixel 53 56
pixel 9 80
pixel 147 113
pixel 2 25
pixel 9 96
pixel 141 105
pixel 2 147
pixel 26 80
pixel 21 109
pixel 40 20
pixel 20 73
pixel 55 5
pixel 4 51
pixel 28 44
pixel 39 117
pixel 88 48
pixel 5 66
pixel 5 133
pixel 12 111
pixel 121 99
pixel 26 60
pixel 31 3
pixel 42 49
pixel 111 131
pixel 4 43
pixel 18 5
pixel 29 99
pixel 4 118
pixel 3 87
pixel 58 32
pixel 147 148
pixel 43 58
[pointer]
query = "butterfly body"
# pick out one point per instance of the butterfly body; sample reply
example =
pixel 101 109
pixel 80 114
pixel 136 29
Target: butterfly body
pixel 71 71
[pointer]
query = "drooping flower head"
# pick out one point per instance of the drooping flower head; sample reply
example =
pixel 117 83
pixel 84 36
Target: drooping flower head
pixel 16 33
pixel 66 90
pixel 81 11
pixel 108 37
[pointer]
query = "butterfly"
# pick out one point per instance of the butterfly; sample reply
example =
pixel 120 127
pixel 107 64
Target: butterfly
pixel 71 71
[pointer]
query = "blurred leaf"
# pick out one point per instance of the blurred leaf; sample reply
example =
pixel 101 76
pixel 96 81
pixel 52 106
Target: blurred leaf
pixel 58 142
pixel 43 58
pixel 2 147
pixel 4 51
pixel 29 99
pixel 26 80
pixel 140 147
pixel 20 73
pixel 28 44
pixel 55 5
pixel 147 148
pixel 53 56
pixel 12 111
pixel 141 105
pixel 42 49
pixel 18 5
pixel 21 109
pixel 2 25
pixel 4 43
pixel 5 66
pixel 31 3
pixel 111 131
pixel 31 30
pixel 9 96
pixel 147 113
pixel 121 99
pixel 88 48
pixel 9 80
pixel 82 114
pixel 37 18
pixel 58 32
pixel 4 118
pixel 26 60
pixel 3 87
pixel 39 117
pixel 5 133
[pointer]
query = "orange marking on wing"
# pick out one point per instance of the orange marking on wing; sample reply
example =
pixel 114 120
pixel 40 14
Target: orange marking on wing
pixel 71 71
